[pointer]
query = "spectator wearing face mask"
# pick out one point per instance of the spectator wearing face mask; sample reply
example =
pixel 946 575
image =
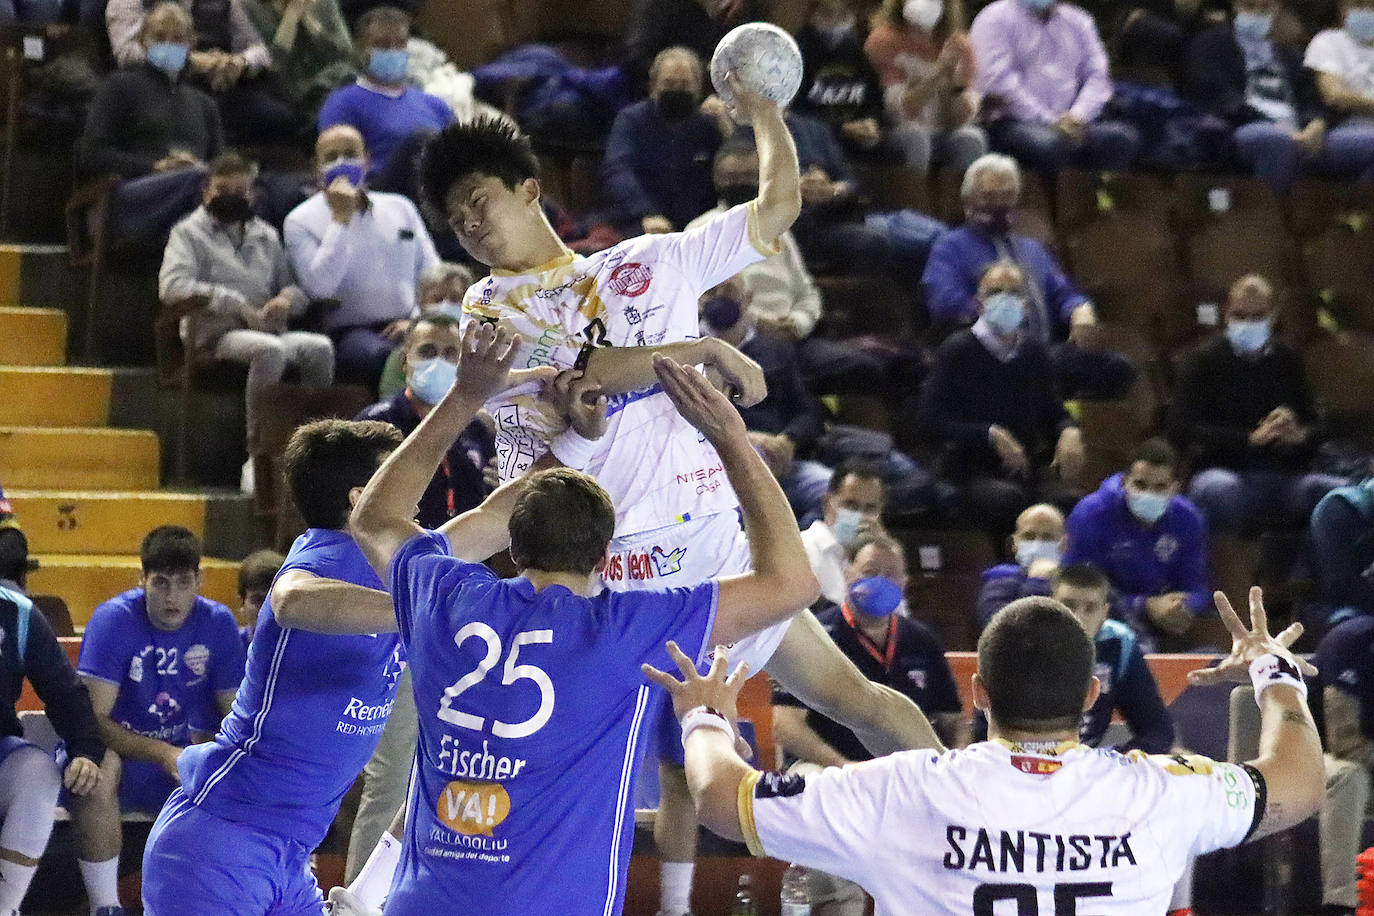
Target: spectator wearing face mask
pixel 364 249
pixel 1037 544
pixel 925 66
pixel 657 169
pixel 855 499
pixel 1042 73
pixel 1243 413
pixel 1057 315
pixel 992 405
pixel 236 261
pixel 393 117
pixel 1343 61
pixel 1150 541
pixel 440 291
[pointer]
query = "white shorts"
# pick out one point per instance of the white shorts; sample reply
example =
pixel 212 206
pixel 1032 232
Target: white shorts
pixel 688 554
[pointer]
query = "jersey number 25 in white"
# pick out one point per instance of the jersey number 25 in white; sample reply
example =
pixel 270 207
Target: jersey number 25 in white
pixel 511 674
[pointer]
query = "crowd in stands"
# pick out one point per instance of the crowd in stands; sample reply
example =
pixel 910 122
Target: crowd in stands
pixel 327 268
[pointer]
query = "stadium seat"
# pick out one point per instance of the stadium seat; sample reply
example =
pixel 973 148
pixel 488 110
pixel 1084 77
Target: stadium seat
pixel 55 611
pixel 1111 431
pixel 585 193
pixel 945 575
pixel 1340 368
pixel 1337 263
pixel 1082 197
pixel 896 187
pixel 1203 199
pixel 856 305
pixel 1314 205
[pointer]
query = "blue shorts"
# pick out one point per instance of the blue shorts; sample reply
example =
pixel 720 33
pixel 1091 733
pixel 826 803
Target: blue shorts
pixel 196 862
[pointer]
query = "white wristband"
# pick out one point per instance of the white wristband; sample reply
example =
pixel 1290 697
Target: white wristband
pixel 1268 670
pixel 705 717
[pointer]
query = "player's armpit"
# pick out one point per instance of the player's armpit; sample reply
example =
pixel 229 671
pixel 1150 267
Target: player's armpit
pixel 305 602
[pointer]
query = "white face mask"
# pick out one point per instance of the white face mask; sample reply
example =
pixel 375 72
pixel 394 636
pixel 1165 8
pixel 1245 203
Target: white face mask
pixel 1028 552
pixel 924 14
pixel 847 524
pixel 450 308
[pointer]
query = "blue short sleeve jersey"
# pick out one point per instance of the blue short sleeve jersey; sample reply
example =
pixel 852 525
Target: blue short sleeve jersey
pixel 532 711
pixel 167 679
pixel 308 716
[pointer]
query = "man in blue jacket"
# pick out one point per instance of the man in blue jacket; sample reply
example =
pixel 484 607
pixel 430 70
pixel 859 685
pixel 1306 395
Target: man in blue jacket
pixel 1150 541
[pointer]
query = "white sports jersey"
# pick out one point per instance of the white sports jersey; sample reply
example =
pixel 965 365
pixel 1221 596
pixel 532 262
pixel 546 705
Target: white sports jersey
pixel 996 830
pixel 656 467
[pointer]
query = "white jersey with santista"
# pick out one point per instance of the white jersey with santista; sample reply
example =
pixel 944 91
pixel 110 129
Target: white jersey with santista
pixel 994 830
pixel 643 292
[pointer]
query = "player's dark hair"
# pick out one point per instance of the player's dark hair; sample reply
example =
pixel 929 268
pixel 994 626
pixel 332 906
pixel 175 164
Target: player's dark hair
pixel 562 522
pixel 1081 575
pixel 1155 451
pixel 434 320
pixel 257 571
pixel 170 549
pixel 855 467
pixel 14 554
pixel 327 458
pixel 379 15
pixel 1036 663
pixel 483 146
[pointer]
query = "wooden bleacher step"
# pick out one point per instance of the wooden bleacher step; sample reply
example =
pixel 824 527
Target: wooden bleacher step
pixel 32 337
pixel 34 458
pixel 86 580
pixel 102 522
pixel 55 396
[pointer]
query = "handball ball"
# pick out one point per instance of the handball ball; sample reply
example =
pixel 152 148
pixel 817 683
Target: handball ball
pixel 764 58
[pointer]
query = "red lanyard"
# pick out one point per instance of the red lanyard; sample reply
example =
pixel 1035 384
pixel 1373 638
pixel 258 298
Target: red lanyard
pixel 883 658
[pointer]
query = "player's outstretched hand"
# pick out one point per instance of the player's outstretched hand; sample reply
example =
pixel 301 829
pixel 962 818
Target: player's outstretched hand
pixel 701 405
pixel 81 777
pixel 747 106
pixel 716 690
pixel 580 403
pixel 1249 643
pixel 485 361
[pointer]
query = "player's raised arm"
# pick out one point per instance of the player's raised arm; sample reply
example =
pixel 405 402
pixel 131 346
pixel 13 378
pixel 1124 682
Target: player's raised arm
pixel 1290 751
pixel 615 370
pixel 781 582
pixel 779 202
pixel 383 518
pixel 302 601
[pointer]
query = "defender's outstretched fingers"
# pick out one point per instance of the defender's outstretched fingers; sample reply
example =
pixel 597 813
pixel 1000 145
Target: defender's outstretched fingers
pixel 1259 618
pixel 684 664
pixel 1229 617
pixel 738 676
pixel 661 678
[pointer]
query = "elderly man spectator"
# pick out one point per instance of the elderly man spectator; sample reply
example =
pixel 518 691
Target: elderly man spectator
pixel 1037 546
pixel 925 66
pixel 889 649
pixel 440 291
pixel 854 502
pixel 1342 556
pixel 1343 61
pixel 228 59
pixel 657 170
pixel 1058 316
pixel 1042 72
pixel 1243 415
pixel 364 249
pixel 783 299
pixel 1150 541
pixel 312 51
pixel 992 403
pixel 696 24
pixel 393 117
pixel 234 260
pixel 150 128
pixel 1237 71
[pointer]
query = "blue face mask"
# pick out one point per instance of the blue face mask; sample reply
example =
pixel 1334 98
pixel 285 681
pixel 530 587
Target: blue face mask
pixel 350 169
pixel 877 596
pixel 1253 26
pixel 430 379
pixel 846 527
pixel 1148 507
pixel 1248 337
pixel 1004 312
pixel 168 57
pixel 389 65
pixel 1359 22
pixel 1028 552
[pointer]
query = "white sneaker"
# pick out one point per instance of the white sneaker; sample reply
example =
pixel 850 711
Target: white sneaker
pixel 343 903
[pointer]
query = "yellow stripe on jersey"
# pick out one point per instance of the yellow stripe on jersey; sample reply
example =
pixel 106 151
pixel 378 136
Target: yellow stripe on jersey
pixel 766 249
pixel 1177 764
pixel 562 260
pixel 746 813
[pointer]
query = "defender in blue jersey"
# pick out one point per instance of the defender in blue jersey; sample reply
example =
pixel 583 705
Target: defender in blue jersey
pixel 236 837
pixel 532 704
pixel 161 663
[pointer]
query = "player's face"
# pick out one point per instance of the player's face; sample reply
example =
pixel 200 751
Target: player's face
pixel 1144 477
pixel 252 604
pixel 863 495
pixel 1089 605
pixel 170 595
pixel 493 223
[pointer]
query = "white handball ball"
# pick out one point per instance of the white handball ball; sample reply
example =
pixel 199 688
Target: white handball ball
pixel 765 59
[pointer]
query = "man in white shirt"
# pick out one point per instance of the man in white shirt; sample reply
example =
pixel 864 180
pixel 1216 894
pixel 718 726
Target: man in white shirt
pixel 1343 61
pixel 1030 816
pixel 364 249
pixel 855 500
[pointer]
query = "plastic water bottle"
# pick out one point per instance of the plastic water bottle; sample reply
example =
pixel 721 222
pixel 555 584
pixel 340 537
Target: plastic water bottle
pixel 796 891
pixel 744 899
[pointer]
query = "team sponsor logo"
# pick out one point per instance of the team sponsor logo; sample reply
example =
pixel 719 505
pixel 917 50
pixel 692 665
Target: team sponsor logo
pixel 705 480
pixel 635 316
pixel 1036 766
pixel 643 565
pixel 665 564
pixel 361 718
pixel 1349 676
pixel 395 667
pixel 136 669
pixel 779 785
pixel 165 707
pixel 917 677
pixel 1165 548
pixel 197 659
pixel 473 808
pixel 630 279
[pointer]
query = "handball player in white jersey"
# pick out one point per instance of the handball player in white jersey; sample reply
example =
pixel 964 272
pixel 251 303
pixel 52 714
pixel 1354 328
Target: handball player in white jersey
pixel 1029 822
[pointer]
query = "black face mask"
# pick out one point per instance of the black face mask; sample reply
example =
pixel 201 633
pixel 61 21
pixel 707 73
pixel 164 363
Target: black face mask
pixel 677 104
pixel 230 208
pixel 735 194
pixel 722 312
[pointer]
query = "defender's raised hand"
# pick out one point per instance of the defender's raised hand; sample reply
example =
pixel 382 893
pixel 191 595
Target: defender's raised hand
pixel 485 361
pixel 701 405
pixel 1249 643
pixel 715 690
